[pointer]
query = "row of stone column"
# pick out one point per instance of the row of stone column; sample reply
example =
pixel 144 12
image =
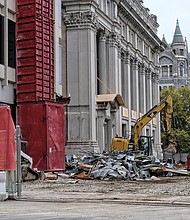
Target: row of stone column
pixel 121 72
pixel 108 63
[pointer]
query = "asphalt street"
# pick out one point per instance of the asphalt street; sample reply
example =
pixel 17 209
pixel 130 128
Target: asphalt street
pixel 20 210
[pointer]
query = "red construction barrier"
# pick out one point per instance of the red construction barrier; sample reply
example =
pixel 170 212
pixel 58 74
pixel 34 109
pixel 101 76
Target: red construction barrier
pixel 42 126
pixel 7 140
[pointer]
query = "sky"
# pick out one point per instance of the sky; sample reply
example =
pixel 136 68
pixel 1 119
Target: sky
pixel 168 11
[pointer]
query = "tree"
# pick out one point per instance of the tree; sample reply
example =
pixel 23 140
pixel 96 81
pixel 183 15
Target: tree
pixel 181 117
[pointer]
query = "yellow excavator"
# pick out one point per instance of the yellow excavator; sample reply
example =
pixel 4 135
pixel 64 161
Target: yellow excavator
pixel 120 143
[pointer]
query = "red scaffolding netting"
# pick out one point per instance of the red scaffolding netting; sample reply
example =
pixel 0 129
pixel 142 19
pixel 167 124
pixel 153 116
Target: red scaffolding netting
pixel 7 140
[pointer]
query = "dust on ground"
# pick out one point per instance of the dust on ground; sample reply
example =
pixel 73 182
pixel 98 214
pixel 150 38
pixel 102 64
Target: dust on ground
pixel 170 186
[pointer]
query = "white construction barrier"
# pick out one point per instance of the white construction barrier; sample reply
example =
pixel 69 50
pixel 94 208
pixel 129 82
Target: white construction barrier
pixel 3 193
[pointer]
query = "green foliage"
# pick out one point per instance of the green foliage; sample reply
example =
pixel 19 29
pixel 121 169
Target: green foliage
pixel 181 117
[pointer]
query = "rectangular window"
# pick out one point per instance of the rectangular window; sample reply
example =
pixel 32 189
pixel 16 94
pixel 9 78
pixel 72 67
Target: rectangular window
pixel 1 39
pixel 164 71
pixel 11 44
pixel 181 52
pixel 109 8
pixel 60 66
pixel 171 70
pixel 124 131
pixel 60 12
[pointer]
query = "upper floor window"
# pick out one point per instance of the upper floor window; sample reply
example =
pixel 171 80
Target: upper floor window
pixel 181 52
pixel 109 8
pixel 60 13
pixel 11 44
pixel 164 71
pixel 1 39
pixel 181 69
pixel 60 66
pixel 171 70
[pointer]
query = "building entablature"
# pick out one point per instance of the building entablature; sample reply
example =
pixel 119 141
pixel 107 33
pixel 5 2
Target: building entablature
pixel 144 13
pixel 140 25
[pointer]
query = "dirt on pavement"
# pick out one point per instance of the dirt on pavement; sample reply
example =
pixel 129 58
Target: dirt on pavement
pixel 162 188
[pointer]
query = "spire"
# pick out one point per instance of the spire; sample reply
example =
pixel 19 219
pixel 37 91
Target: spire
pixel 164 40
pixel 178 37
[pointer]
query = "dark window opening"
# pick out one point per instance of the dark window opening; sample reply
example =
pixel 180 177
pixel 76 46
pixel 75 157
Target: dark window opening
pixel 11 44
pixel 171 70
pixel 181 52
pixel 174 52
pixel 1 39
pixel 181 69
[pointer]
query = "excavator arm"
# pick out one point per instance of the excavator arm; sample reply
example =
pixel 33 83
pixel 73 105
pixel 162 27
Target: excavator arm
pixel 146 118
pixel 120 143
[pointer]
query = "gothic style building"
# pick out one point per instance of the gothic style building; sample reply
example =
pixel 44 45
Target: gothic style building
pixel 175 62
pixel 110 71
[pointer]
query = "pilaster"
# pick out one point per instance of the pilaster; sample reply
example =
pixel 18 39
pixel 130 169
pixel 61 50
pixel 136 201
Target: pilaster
pixel 102 63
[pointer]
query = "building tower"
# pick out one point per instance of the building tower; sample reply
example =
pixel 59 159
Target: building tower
pixel 174 61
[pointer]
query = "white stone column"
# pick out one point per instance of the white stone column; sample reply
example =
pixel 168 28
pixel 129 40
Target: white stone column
pixel 135 87
pixel 142 90
pixel 157 138
pixel 118 91
pixel 100 130
pixel 128 87
pixel 102 63
pixel 81 81
pixel 124 82
pixel 154 89
pixel 148 90
pixel 113 78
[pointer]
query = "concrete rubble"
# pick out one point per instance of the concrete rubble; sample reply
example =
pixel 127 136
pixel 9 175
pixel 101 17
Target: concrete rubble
pixel 125 165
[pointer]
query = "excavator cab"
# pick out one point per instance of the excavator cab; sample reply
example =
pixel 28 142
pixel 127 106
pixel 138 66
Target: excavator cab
pixel 145 144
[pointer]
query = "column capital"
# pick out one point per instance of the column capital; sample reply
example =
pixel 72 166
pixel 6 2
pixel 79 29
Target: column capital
pixel 135 63
pixel 114 39
pixel 142 69
pixel 148 73
pixel 119 51
pixel 102 35
pixel 78 19
pixel 127 57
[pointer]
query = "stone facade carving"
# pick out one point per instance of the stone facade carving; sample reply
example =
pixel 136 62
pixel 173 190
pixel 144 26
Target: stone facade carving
pixel 77 19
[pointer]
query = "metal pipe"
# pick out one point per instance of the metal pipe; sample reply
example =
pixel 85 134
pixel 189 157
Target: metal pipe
pixel 19 177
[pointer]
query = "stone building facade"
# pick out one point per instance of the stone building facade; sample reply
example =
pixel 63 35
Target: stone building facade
pixel 175 61
pixel 110 71
pixel 7 53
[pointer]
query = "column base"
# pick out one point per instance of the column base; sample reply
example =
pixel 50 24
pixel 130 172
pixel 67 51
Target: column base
pixel 82 148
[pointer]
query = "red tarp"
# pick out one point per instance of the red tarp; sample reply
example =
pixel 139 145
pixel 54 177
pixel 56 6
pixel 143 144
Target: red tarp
pixel 7 140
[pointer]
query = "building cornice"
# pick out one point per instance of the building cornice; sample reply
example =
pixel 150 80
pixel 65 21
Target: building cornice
pixel 127 12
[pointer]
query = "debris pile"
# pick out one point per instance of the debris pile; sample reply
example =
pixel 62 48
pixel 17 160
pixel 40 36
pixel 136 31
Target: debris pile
pixel 126 165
